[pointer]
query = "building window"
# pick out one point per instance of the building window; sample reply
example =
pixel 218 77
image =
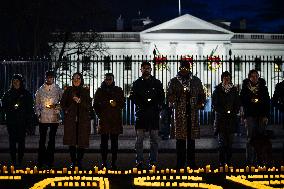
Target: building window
pixel 277 65
pixel 128 63
pixel 237 64
pixel 107 63
pixel 257 62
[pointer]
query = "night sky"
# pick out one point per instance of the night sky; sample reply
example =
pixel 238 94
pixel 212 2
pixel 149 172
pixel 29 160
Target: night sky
pixel 26 25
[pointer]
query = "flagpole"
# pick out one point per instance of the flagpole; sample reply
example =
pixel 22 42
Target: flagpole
pixel 179 8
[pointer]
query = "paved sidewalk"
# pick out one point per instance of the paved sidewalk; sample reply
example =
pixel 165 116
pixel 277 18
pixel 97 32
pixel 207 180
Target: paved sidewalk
pixel 207 142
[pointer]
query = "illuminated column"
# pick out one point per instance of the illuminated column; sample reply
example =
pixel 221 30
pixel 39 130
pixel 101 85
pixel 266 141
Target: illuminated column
pixel 173 48
pixel 146 47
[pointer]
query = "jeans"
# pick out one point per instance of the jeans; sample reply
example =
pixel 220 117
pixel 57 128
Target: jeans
pixel 255 126
pixel 154 137
pixel 46 154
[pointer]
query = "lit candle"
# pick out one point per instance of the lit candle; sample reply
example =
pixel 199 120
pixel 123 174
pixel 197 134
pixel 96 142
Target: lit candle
pixel 16 106
pixel 110 101
pixel 282 168
pixel 35 170
pixel 28 170
pixel 207 168
pixel 184 88
pixel 252 169
pixel 12 169
pixel 149 99
pixel 96 169
pixel 76 170
pixel 221 169
pixel 226 168
pixel 247 168
pixel 135 170
pixel 153 168
pixel 181 171
pixel 228 111
pixel 64 170
pixel 4 169
pixel 167 170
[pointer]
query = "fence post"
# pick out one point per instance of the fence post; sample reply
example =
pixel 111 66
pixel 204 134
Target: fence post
pixel 230 61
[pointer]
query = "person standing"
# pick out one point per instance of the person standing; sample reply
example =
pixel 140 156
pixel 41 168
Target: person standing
pixel 186 96
pixel 278 102
pixel 47 107
pixel 76 105
pixel 226 104
pixel 17 103
pixel 108 105
pixel 256 106
pixel 148 95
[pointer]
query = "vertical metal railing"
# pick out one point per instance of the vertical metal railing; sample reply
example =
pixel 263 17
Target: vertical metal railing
pixel 127 69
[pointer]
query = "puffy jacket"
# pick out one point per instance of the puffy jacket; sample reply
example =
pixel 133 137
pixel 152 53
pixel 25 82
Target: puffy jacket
pixel 48 95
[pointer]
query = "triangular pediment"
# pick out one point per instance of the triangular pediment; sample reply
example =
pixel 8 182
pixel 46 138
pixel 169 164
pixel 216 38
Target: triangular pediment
pixel 187 24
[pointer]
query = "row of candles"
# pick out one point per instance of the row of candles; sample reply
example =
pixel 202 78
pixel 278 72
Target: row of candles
pixel 71 181
pixel 153 170
pixel 247 183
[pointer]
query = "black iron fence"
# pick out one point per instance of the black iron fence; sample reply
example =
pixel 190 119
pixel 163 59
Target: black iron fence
pixel 127 69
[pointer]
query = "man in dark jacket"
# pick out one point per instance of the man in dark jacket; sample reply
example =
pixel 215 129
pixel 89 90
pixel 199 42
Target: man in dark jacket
pixel 18 107
pixel 225 103
pixel 256 104
pixel 278 102
pixel 148 96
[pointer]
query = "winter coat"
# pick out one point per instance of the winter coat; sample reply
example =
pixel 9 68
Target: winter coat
pixel 48 95
pixel 71 109
pixel 256 103
pixel 110 118
pixel 226 106
pixel 18 107
pixel 278 96
pixel 148 96
pixel 186 103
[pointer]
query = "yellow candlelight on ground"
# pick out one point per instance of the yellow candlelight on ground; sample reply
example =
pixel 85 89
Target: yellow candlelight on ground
pixel 4 169
pixel 76 170
pixel 135 170
pixel 12 169
pixel 96 169
pixel 35 170
pixel 64 170
pixel 181 171
pixel 28 170
pixel 252 169
pixel 167 170
pixel 226 168
pixel 153 168
pixel 282 168
pixel 247 168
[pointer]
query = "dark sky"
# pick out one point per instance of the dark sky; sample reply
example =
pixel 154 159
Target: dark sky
pixel 26 25
pixel 261 15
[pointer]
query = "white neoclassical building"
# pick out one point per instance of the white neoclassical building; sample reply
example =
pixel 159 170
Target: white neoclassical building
pixel 187 35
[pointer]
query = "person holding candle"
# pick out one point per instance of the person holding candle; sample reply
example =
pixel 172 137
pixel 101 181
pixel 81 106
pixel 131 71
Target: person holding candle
pixel 17 103
pixel 186 95
pixel 148 95
pixel 226 104
pixel 108 104
pixel 47 108
pixel 76 105
pixel 255 101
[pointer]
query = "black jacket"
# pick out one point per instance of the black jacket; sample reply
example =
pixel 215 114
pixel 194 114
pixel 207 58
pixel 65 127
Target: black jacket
pixel 261 108
pixel 278 96
pixel 223 102
pixel 148 96
pixel 18 107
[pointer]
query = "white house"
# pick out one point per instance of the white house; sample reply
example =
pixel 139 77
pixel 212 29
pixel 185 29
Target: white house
pixel 187 35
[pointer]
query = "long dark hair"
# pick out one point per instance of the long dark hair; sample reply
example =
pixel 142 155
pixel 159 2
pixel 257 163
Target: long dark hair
pixel 20 78
pixel 82 79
